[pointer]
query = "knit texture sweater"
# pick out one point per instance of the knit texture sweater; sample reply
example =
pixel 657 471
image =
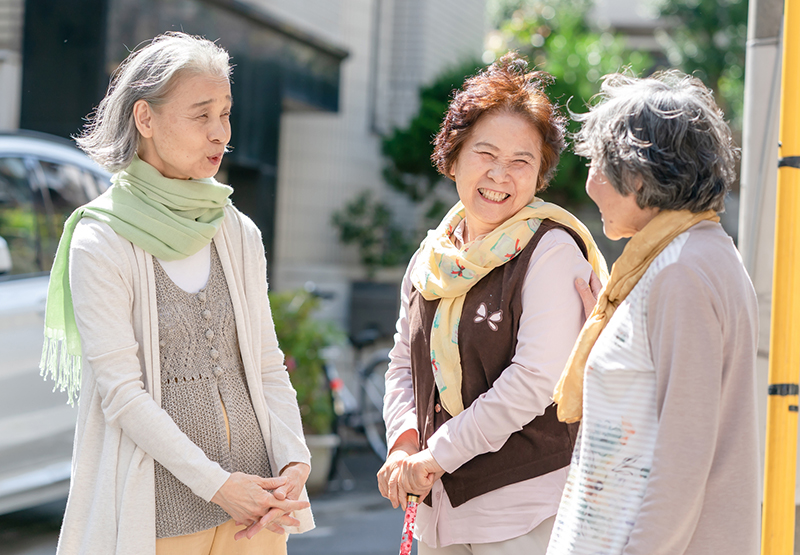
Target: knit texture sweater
pixel 203 383
pixel 121 427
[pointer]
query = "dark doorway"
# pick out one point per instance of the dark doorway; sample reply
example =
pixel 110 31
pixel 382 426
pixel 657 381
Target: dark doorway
pixel 63 73
pixel 254 190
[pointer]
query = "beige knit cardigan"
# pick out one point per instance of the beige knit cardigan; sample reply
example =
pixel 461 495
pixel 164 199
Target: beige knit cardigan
pixel 121 427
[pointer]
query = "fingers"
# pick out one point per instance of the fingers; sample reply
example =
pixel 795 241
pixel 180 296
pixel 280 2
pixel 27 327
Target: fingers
pixel 271 483
pixel 397 495
pixel 281 493
pixel 587 297
pixel 269 518
pixel 596 285
pixel 384 474
pixel 418 474
pixel 277 525
pixel 288 505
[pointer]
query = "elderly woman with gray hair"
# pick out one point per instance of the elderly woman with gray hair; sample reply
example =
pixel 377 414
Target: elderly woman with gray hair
pixel 662 376
pixel 188 426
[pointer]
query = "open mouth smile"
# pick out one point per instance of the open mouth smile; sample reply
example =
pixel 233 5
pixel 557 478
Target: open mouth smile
pixel 494 196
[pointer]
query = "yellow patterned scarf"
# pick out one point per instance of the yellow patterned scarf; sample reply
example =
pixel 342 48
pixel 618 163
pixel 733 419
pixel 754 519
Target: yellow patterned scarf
pixel 443 271
pixel 639 253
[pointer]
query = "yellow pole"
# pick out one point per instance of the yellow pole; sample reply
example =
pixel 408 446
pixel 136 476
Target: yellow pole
pixel 778 513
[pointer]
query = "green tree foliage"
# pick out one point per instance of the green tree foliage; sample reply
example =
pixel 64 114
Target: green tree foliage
pixel 408 168
pixel 556 37
pixel 369 224
pixel 707 38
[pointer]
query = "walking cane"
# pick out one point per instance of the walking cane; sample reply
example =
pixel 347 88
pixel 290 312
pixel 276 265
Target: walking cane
pixel 408 524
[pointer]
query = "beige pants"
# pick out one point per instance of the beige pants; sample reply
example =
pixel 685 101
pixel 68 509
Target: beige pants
pixel 533 543
pixel 219 541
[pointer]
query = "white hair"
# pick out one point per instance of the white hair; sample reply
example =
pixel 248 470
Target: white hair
pixel 110 136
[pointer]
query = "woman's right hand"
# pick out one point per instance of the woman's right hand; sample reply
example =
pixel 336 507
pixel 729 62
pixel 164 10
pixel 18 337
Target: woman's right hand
pixel 389 474
pixel 248 498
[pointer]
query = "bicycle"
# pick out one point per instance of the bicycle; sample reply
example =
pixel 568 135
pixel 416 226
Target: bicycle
pixel 363 414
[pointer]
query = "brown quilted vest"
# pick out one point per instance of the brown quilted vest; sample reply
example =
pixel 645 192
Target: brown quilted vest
pixel 544 444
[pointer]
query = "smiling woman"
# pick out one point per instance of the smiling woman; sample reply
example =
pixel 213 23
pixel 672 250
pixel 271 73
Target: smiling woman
pixel 489 314
pixel 188 433
pixel 497 172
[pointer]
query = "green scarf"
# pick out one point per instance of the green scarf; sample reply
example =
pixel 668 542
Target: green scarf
pixel 443 271
pixel 169 218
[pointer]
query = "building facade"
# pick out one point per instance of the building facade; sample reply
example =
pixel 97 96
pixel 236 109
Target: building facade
pixel 316 83
pixel 394 47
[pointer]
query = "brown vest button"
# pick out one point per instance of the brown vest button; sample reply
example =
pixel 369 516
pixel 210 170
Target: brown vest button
pixel 437 407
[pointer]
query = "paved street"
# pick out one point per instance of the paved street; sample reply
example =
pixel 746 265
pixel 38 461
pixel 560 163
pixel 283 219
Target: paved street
pixel 354 522
pixel 357 521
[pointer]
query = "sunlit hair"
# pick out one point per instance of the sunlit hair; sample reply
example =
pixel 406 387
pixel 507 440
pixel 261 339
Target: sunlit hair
pixel 665 132
pixel 150 73
pixel 506 86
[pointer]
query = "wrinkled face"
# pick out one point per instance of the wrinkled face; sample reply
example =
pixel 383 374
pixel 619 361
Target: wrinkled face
pixel 497 170
pixel 622 217
pixel 185 137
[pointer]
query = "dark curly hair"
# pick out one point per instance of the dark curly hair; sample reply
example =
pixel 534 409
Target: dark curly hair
pixel 505 86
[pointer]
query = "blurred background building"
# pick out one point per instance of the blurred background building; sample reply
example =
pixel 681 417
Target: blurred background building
pixel 316 83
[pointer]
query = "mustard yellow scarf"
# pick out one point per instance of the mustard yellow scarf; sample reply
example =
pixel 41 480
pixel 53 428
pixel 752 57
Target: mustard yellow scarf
pixel 640 251
pixel 443 271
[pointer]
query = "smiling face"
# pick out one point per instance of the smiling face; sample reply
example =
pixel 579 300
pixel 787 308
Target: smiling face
pixel 497 170
pixel 185 137
pixel 622 216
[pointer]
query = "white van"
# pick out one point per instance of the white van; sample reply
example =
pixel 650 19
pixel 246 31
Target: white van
pixel 42 180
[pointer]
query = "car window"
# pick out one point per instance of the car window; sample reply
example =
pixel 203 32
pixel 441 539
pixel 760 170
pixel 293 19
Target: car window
pixel 21 219
pixel 64 187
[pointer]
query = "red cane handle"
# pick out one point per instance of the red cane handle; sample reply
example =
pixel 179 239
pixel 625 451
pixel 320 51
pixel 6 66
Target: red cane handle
pixel 407 538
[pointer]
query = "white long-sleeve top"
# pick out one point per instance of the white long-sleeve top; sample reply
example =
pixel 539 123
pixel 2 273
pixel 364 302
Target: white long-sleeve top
pixel 552 316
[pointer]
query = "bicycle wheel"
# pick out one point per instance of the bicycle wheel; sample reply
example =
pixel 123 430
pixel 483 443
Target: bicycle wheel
pixel 373 386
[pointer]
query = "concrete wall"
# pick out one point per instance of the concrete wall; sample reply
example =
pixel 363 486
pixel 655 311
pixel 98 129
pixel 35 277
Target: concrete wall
pixel 326 159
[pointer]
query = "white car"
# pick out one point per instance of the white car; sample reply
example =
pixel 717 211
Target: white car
pixel 42 180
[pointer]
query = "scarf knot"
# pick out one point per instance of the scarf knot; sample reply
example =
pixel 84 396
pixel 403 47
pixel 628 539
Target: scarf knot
pixel 445 272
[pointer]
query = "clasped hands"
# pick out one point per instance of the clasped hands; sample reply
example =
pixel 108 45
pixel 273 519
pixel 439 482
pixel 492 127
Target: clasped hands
pixel 408 470
pixel 259 503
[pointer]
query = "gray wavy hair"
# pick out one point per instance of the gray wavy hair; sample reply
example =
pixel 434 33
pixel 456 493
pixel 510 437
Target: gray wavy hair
pixel 149 73
pixel 665 132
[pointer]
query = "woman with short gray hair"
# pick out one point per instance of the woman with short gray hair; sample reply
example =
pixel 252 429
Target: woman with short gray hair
pixel 662 376
pixel 188 433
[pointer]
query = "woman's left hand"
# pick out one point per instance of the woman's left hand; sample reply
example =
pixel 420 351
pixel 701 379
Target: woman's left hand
pixel 296 475
pixel 418 473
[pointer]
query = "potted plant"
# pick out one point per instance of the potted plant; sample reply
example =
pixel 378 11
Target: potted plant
pixel 301 338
